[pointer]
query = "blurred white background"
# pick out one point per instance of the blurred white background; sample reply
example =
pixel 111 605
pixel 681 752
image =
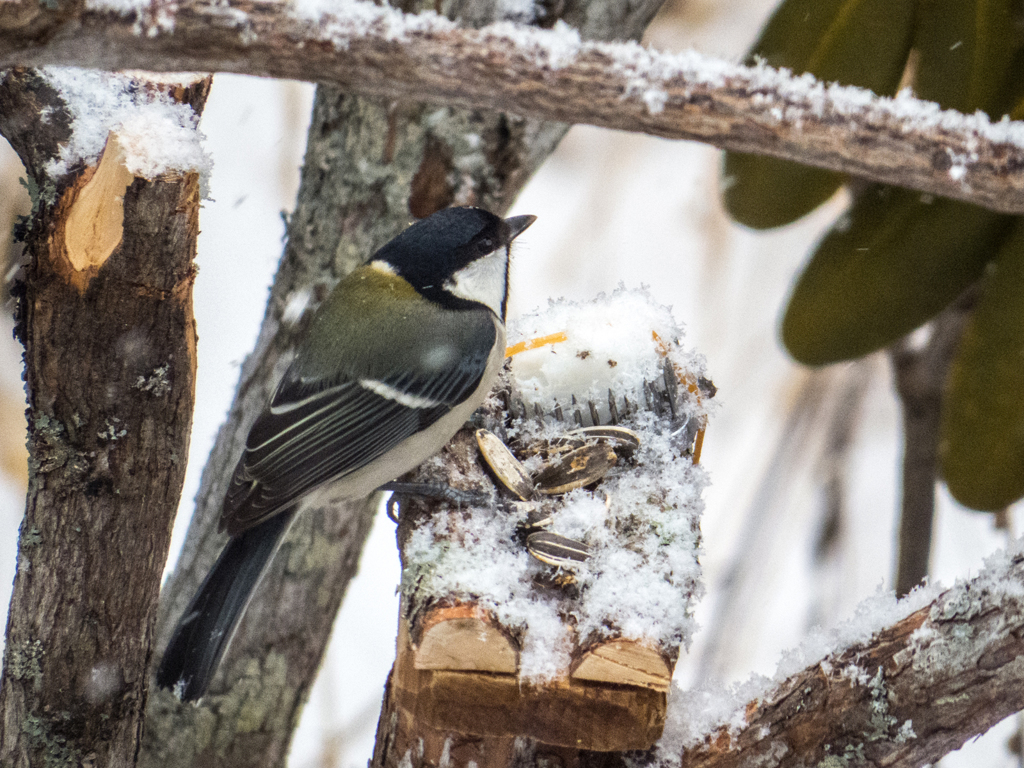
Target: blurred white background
pixel 612 208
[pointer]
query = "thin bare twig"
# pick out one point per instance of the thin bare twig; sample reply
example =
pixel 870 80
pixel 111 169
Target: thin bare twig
pixel 920 375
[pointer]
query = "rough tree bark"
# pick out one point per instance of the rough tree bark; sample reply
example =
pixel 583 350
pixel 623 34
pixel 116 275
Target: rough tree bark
pixel 109 368
pixel 914 692
pixel 372 52
pixel 371 164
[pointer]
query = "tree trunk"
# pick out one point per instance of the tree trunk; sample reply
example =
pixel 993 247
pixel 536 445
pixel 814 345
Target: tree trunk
pixel 105 314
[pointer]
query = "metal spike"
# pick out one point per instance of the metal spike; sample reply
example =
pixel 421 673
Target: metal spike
pixel 653 398
pixel 577 414
pixel 538 413
pixel 670 388
pixel 627 407
pixel 593 413
pixel 558 411
pixel 611 407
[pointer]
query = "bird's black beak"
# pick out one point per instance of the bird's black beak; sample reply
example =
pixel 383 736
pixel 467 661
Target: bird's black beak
pixel 516 224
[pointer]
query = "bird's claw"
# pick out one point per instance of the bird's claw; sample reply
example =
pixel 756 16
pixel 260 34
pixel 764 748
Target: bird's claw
pixel 437 491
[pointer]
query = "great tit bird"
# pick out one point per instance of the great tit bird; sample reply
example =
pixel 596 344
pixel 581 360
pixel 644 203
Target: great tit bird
pixel 395 360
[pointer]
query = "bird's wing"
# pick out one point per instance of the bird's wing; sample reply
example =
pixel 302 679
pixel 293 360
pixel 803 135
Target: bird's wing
pixel 316 431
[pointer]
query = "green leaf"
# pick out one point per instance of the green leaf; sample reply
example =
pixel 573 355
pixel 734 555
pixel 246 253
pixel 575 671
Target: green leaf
pixel 884 269
pixel 854 42
pixel 965 48
pixel 981 444
pixel 764 192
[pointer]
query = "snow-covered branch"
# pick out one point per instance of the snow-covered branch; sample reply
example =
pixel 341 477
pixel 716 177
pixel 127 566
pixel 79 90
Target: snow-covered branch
pixel 549 74
pixel 914 691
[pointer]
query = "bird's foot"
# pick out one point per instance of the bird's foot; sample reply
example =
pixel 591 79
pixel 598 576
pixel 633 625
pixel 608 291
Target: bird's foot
pixel 436 491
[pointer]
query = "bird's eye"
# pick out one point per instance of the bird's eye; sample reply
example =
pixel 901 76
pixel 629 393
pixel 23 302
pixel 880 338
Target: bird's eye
pixel 485 246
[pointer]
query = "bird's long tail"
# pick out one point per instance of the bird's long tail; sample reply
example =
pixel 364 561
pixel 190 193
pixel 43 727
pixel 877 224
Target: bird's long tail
pixel 205 629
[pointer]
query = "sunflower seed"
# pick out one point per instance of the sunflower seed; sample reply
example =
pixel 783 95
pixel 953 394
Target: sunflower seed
pixel 553 549
pixel 579 467
pixel 506 467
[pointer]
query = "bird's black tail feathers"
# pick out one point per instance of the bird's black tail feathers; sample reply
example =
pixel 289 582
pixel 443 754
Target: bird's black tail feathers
pixel 205 629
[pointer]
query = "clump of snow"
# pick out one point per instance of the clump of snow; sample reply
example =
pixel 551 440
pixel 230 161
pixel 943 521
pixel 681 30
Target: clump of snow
pixel 701 712
pixel 157 134
pixel 519 11
pixel 340 21
pixel 991 591
pixel 643 577
pixel 479 561
pixel 296 304
pixel 120 7
pixel 876 612
pixel 618 342
pixel 554 49
pixel 641 522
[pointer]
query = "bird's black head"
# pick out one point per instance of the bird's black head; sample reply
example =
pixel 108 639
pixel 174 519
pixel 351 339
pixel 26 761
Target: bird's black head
pixel 457 257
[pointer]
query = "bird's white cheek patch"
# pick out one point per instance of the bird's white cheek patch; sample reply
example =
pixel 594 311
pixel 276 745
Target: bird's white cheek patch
pixel 403 398
pixel 482 281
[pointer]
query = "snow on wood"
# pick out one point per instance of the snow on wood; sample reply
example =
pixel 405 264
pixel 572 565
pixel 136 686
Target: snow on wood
pixel 156 135
pixel 900 684
pixel 549 74
pixel 598 608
